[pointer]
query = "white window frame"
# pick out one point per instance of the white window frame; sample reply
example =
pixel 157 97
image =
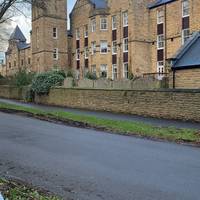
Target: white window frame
pixel 102 47
pixel 93 25
pixel 103 24
pixel 93 45
pixel 114 72
pixel 77 54
pixel 125 19
pixel 94 69
pixel 160 41
pixel 86 31
pixel 114 22
pixel 86 52
pixel 77 34
pixel 160 69
pixel 185 8
pixel 125 70
pixel 55 54
pixel 114 47
pixel 37 37
pixel 160 16
pixel 55 33
pixel 125 45
pixel 185 37
pixel 104 68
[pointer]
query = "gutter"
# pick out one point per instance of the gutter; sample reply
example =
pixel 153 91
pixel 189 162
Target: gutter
pixel 187 67
pixel 155 5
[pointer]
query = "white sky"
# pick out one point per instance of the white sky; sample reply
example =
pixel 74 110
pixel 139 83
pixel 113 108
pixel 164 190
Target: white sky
pixel 25 23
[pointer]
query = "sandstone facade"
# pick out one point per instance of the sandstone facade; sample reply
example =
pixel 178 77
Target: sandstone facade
pixel 115 39
pixel 49 36
pixel 18 55
pixel 155 32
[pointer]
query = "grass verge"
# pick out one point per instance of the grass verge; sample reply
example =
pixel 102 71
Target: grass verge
pixel 17 191
pixel 115 126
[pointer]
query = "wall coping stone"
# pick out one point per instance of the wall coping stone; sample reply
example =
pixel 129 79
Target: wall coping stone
pixel 138 90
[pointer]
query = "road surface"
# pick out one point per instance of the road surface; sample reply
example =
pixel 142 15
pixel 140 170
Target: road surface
pixel 84 164
pixel 114 116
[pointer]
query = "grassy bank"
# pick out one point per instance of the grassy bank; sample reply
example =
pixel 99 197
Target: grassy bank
pixel 16 191
pixel 116 126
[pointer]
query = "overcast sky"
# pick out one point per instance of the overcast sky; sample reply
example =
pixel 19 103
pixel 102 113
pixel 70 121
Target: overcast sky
pixel 25 24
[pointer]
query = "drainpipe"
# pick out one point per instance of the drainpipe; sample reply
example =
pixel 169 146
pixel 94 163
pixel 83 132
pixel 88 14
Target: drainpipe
pixel 120 59
pixel 165 34
pixel 174 79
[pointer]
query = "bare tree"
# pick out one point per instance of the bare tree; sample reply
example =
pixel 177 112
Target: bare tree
pixel 9 8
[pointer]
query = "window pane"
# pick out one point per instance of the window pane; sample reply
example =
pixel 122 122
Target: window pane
pixel 103 71
pixel 104 24
pixel 104 47
pixel 126 73
pixel 125 19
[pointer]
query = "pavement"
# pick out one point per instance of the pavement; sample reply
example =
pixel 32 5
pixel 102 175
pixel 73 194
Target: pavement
pixel 115 116
pixel 82 164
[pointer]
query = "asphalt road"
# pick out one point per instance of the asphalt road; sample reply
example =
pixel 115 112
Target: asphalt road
pixel 84 164
pixel 115 116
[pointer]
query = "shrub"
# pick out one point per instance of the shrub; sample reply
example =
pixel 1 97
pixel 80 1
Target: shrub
pixel 70 74
pixel 42 83
pixel 22 78
pixel 30 95
pixel 60 72
pixel 1 77
pixel 91 76
pixel 130 76
pixel 103 74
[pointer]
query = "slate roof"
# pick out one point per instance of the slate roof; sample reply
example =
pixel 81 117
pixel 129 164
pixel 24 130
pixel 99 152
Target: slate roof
pixel 99 4
pixel 159 3
pixel 188 55
pixel 23 45
pixel 18 35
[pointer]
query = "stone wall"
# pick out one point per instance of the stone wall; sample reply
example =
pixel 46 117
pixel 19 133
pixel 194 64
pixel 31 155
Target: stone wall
pixel 177 104
pixel 188 78
pixel 11 92
pixel 172 104
pixel 140 83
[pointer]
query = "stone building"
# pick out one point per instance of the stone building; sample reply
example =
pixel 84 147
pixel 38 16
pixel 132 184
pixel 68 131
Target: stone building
pixel 18 55
pixel 2 68
pixel 115 39
pixel 130 37
pixel 186 64
pixel 107 39
pixel 49 36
